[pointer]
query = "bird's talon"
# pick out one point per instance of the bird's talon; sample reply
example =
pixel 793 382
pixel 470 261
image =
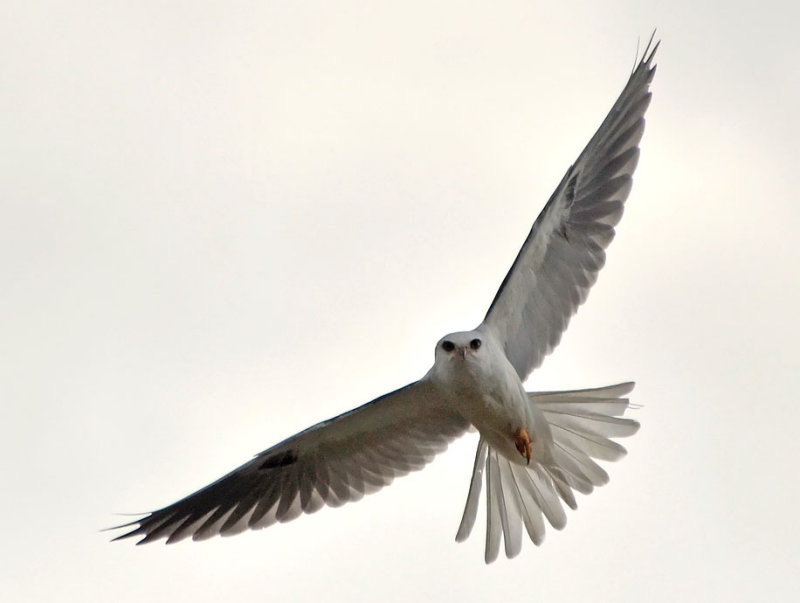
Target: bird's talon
pixel 523 443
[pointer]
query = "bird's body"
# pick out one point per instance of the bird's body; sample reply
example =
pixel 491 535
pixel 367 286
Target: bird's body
pixel 534 450
pixel 482 386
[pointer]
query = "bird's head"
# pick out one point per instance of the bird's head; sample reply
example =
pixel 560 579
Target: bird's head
pixel 464 346
pixel 467 358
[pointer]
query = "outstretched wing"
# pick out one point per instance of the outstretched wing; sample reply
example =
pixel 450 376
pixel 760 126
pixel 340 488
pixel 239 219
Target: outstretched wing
pixel 565 249
pixel 331 463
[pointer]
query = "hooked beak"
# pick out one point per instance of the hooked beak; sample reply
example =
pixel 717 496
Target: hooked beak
pixel 463 353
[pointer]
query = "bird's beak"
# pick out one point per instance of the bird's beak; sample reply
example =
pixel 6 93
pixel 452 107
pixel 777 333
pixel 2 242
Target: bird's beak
pixel 463 353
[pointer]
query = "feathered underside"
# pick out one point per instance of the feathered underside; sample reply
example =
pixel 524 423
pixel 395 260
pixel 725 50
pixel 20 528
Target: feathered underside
pixel 565 249
pixel 330 464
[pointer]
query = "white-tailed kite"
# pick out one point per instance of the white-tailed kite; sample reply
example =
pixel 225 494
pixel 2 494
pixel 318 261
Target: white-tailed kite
pixel 534 448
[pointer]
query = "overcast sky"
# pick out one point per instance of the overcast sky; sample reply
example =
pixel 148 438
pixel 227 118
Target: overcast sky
pixel 223 222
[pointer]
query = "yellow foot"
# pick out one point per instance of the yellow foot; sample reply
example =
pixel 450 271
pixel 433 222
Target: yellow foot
pixel 523 443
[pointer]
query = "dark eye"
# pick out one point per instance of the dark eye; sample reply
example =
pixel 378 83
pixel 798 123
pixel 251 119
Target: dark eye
pixel 475 344
pixel 448 346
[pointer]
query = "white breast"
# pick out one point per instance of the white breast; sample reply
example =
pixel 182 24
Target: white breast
pixel 485 389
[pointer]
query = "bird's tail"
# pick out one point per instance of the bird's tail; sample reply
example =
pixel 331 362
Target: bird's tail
pixel 582 423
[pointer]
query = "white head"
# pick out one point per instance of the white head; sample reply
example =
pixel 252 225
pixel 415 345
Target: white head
pixel 472 356
pixel 459 346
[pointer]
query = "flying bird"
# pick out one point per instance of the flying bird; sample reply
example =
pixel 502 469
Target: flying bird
pixel 535 449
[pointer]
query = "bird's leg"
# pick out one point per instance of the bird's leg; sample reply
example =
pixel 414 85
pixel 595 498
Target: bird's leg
pixel 523 443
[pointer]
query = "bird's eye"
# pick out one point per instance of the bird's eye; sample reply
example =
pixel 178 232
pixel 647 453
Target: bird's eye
pixel 448 346
pixel 475 343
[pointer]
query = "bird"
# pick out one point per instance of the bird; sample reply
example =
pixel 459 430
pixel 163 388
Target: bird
pixel 535 449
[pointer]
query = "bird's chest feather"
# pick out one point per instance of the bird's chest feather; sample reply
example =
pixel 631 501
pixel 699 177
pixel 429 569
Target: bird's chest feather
pixel 490 396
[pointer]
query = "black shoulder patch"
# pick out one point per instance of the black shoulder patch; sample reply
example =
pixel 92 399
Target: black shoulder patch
pixel 570 192
pixel 279 459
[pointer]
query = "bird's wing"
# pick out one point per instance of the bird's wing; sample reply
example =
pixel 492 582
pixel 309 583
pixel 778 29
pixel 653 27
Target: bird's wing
pixel 331 463
pixel 565 249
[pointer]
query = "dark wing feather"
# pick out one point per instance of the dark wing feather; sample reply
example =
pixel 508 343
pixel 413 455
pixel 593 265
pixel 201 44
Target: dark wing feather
pixel 331 463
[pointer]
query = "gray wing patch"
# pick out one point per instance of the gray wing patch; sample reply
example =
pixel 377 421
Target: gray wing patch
pixel 565 249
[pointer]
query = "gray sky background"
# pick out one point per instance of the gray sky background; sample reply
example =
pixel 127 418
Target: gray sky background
pixel 223 222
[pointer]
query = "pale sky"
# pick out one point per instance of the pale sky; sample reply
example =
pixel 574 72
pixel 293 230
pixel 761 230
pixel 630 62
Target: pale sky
pixel 224 222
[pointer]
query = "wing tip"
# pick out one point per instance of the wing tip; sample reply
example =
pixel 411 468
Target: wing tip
pixel 122 526
pixel 649 52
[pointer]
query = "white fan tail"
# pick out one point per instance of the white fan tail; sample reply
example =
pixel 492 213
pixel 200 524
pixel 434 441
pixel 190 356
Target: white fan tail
pixel 582 423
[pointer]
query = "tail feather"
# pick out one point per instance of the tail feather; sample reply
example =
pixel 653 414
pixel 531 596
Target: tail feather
pixel 510 507
pixel 598 446
pixel 473 497
pixel 607 392
pixel 579 465
pixel 571 473
pixel 582 423
pixel 548 498
pixel 563 488
pixel 531 512
pixel 493 519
